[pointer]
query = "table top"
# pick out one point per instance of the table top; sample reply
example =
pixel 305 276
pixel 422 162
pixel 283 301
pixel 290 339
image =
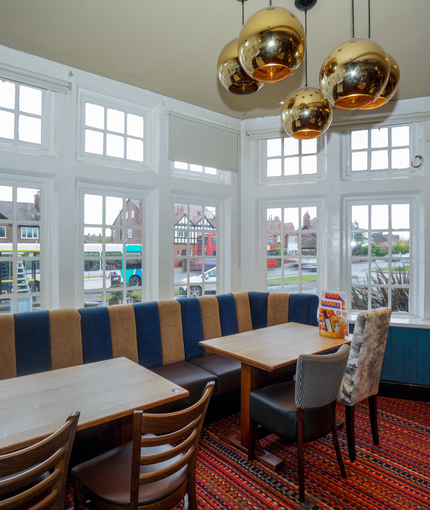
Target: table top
pixel 34 406
pixel 273 347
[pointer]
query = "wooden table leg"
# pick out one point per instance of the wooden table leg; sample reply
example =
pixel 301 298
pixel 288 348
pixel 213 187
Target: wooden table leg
pixel 249 382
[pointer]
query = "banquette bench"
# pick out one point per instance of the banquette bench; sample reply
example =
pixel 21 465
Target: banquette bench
pixel 162 336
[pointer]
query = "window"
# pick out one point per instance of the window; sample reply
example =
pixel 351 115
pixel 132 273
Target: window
pixel 380 254
pixel 291 239
pixel 287 157
pixel 195 246
pixel 111 243
pixel 113 132
pixel 376 149
pixel 20 251
pixel 21 112
pixel 198 169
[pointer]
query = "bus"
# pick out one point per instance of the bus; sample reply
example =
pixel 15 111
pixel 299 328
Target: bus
pixel 209 245
pixel 28 262
pixel 99 265
pixel 270 250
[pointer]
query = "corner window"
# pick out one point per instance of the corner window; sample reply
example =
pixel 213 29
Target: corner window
pixel 288 157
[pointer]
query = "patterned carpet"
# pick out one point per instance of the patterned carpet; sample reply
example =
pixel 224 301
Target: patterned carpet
pixel 394 475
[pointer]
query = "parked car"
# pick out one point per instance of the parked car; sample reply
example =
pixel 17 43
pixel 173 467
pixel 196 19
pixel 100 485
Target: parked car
pixel 196 289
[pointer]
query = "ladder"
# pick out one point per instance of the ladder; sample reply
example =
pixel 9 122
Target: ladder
pixel 21 279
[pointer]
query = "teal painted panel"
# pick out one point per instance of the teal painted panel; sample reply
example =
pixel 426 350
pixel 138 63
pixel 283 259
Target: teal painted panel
pixel 396 355
pixel 423 357
pixel 386 365
pixel 409 356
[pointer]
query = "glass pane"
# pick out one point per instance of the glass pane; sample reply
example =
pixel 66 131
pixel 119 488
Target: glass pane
pixel 274 147
pixel 291 166
pixel 7 94
pixel 134 213
pixel 94 116
pixel 400 158
pixel 359 139
pixel 309 146
pixel 380 244
pixel 379 160
pixel 93 209
pixel 114 206
pixel 400 136
pixel 7 124
pixel 379 216
pixel 400 299
pixel 379 137
pixel 181 166
pixel 359 271
pixel 30 204
pixel 291 146
pixel 6 275
pixel 359 161
pixel 379 297
pixel 291 218
pixel 135 125
pixel 401 245
pixel 359 216
pixel 273 276
pixel 114 146
pixel 30 100
pixel 309 164
pixel 134 149
pixel 359 244
pixel 196 168
pixel 209 170
pixel 115 120
pixel 29 129
pixel 400 216
pixel 94 142
pixel 309 217
pixel 274 167
pixel 359 298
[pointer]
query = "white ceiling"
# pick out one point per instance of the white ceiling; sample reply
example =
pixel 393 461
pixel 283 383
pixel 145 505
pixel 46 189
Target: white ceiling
pixel 172 46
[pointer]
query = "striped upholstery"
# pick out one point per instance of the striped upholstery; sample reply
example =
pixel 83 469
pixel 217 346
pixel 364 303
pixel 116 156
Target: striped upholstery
pixel 152 334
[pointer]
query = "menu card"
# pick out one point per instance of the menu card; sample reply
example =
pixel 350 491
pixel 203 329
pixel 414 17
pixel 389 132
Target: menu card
pixel 332 316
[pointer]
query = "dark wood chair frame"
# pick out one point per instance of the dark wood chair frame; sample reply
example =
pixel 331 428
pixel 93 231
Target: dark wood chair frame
pixel 350 421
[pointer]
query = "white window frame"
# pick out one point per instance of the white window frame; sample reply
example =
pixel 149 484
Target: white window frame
pixel 104 101
pixel 186 172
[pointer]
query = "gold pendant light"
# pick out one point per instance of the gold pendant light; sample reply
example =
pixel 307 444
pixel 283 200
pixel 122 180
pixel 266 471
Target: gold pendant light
pixel 271 44
pixel 355 73
pixel 390 88
pixel 306 113
pixel 231 74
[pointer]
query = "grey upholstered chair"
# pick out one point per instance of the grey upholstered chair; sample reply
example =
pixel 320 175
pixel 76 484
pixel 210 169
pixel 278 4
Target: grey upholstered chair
pixel 363 370
pixel 302 410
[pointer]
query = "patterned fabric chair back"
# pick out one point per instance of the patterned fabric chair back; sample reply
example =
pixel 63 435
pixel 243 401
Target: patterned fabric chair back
pixel 363 371
pixel 318 378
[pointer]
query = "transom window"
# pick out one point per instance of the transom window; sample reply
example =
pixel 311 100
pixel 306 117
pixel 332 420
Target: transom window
pixel 291 238
pixel 290 157
pixel 21 108
pixel 198 169
pixel 380 254
pixel 113 132
pixel 385 148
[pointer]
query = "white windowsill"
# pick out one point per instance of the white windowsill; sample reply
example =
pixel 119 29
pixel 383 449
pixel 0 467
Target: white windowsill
pixel 399 322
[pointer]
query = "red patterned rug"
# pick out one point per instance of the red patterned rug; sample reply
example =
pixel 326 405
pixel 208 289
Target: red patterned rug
pixel 394 475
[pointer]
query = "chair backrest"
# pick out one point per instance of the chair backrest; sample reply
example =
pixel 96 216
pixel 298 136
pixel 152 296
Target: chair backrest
pixel 318 378
pixel 36 476
pixel 364 366
pixel 177 437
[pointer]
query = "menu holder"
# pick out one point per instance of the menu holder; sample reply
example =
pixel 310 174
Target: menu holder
pixel 332 316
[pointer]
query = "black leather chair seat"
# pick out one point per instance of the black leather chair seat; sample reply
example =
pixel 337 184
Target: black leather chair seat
pixel 227 371
pixel 114 486
pixel 274 408
pixel 188 376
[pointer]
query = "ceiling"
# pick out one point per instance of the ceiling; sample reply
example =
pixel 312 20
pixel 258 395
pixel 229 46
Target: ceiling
pixel 172 46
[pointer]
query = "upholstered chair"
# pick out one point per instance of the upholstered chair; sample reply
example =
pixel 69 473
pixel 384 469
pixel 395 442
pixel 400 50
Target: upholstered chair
pixel 363 371
pixel 302 410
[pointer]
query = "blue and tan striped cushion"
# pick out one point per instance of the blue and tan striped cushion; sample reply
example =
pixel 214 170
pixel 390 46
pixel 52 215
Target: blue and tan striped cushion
pixel 65 338
pixel 7 346
pixel 123 332
pixel 148 334
pixel 96 340
pixel 192 327
pixel 172 343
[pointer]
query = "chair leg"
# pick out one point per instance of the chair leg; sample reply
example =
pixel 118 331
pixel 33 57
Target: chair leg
pixel 338 452
pixel 373 413
pixel 253 435
pixel 350 432
pixel 300 460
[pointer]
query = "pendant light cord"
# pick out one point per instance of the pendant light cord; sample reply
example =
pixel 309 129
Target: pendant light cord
pixel 306 47
pixel 353 34
pixel 243 12
pixel 368 5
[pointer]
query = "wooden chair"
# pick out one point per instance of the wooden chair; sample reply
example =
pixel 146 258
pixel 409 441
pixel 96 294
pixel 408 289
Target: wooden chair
pixel 35 477
pixel 154 471
pixel 302 410
pixel 363 370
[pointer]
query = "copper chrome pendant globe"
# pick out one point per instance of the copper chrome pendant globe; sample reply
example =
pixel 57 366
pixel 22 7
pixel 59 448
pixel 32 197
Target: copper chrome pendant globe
pixel 231 73
pixel 271 44
pixel 390 88
pixel 306 114
pixel 354 74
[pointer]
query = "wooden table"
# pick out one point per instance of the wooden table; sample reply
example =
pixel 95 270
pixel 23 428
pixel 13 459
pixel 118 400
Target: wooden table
pixel 266 349
pixel 34 406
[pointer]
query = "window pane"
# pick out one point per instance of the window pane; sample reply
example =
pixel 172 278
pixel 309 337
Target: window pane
pixel 274 147
pixel 29 129
pixel 94 116
pixel 309 146
pixel 309 165
pixel 196 168
pixel 134 149
pixel 7 124
pixel 400 136
pixel 93 209
pixel 379 216
pixel 291 166
pixel 114 146
pixel 93 142
pixel 379 137
pixel 115 120
pixel 7 94
pixel 291 218
pixel 379 160
pixel 401 246
pixel 180 165
pixel 209 170
pixel 274 167
pixel 359 161
pixel 359 216
pixel 30 100
pixel 114 206
pixel 134 125
pixel 359 139
pixel 291 146
pixel 400 216
pixel 400 158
